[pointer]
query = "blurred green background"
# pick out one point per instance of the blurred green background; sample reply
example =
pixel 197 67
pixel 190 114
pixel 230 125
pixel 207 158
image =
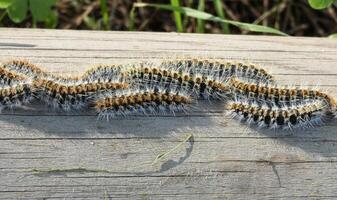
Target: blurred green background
pixel 281 17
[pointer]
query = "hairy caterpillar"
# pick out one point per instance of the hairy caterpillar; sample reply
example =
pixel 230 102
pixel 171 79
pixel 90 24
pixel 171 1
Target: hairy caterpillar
pixel 202 77
pixel 276 95
pixel 303 115
pixel 154 100
pixel 217 68
pixel 15 95
pixel 196 85
pixel 71 96
pixel 24 68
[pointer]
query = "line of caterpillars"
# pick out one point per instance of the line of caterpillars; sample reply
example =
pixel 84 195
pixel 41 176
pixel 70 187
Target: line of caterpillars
pixel 250 93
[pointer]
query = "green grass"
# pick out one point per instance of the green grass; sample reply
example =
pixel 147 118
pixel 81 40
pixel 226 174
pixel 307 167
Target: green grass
pixel 206 16
pixel 219 11
pixel 200 23
pixel 177 16
pixel 105 14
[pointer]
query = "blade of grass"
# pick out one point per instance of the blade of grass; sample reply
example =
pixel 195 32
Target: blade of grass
pixel 105 14
pixel 200 22
pixel 163 155
pixel 219 11
pixel 177 16
pixel 132 19
pixel 206 16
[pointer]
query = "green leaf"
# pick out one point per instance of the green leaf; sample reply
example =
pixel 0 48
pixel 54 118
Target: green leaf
pixel 41 9
pixel 17 11
pixel 5 3
pixel 320 4
pixel 206 16
pixel 334 36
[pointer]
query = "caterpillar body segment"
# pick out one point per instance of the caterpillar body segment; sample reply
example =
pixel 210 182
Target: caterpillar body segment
pixel 106 72
pixel 8 78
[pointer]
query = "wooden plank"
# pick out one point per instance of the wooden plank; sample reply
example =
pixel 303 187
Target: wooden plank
pixel 49 154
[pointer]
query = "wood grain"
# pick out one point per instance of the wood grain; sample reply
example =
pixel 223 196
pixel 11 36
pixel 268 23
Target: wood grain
pixel 52 155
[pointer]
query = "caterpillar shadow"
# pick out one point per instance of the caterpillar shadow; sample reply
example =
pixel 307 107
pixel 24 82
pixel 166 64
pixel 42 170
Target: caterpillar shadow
pixel 39 122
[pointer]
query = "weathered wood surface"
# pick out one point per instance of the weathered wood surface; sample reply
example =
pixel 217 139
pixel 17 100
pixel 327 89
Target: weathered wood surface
pixel 94 159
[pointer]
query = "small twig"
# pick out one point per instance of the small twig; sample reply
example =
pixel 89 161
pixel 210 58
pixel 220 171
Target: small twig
pixel 311 18
pixel 332 13
pixel 147 21
pixel 87 11
pixel 230 13
pixel 277 8
pixel 253 10
pixel 265 10
pixel 2 15
pixel 163 155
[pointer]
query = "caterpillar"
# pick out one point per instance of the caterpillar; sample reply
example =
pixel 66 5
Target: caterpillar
pixel 202 77
pixel 218 68
pixel 278 95
pixel 72 96
pixel 15 95
pixel 145 101
pixel 302 115
pixel 196 85
pixel 24 68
